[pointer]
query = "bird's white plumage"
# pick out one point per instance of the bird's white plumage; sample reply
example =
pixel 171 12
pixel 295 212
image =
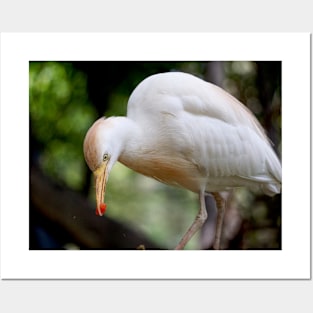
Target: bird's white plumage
pixel 207 134
pixel 184 131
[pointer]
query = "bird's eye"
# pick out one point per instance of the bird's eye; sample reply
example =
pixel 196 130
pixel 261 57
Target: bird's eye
pixel 105 157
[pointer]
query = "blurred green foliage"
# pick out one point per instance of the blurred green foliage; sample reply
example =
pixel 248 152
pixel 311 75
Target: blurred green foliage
pixel 61 113
pixel 60 116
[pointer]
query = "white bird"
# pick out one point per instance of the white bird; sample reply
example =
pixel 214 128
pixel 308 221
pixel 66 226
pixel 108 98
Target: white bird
pixel 186 132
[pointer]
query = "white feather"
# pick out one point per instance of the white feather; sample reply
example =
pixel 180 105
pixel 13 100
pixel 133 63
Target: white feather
pixel 206 129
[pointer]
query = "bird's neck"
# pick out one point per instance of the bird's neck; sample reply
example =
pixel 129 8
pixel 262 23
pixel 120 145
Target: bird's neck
pixel 129 134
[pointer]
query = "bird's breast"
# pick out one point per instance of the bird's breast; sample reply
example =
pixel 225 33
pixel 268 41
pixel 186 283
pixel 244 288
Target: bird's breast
pixel 171 170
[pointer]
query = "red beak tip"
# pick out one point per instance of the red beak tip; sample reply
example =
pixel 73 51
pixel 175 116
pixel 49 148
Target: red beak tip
pixel 103 207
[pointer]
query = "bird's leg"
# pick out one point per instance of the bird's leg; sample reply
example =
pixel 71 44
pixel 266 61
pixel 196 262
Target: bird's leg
pixel 196 225
pixel 220 204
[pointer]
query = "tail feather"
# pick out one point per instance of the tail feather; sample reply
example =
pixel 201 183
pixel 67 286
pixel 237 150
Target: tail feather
pixel 274 169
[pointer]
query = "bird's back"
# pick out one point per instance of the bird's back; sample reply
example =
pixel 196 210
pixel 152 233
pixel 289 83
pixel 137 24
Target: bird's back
pixel 198 122
pixel 167 92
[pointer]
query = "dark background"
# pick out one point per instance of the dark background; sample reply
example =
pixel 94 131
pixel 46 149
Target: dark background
pixel 67 97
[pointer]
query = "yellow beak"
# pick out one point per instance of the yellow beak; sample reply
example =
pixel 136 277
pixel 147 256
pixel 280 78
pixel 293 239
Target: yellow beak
pixel 101 179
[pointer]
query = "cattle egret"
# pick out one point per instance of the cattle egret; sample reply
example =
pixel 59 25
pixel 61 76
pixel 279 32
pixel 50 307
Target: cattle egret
pixel 183 131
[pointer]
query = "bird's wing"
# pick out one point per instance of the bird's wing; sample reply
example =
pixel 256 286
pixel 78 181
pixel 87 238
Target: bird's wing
pixel 214 102
pixel 174 91
pixel 204 124
pixel 222 149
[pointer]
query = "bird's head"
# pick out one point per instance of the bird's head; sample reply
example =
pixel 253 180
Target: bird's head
pixel 101 151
